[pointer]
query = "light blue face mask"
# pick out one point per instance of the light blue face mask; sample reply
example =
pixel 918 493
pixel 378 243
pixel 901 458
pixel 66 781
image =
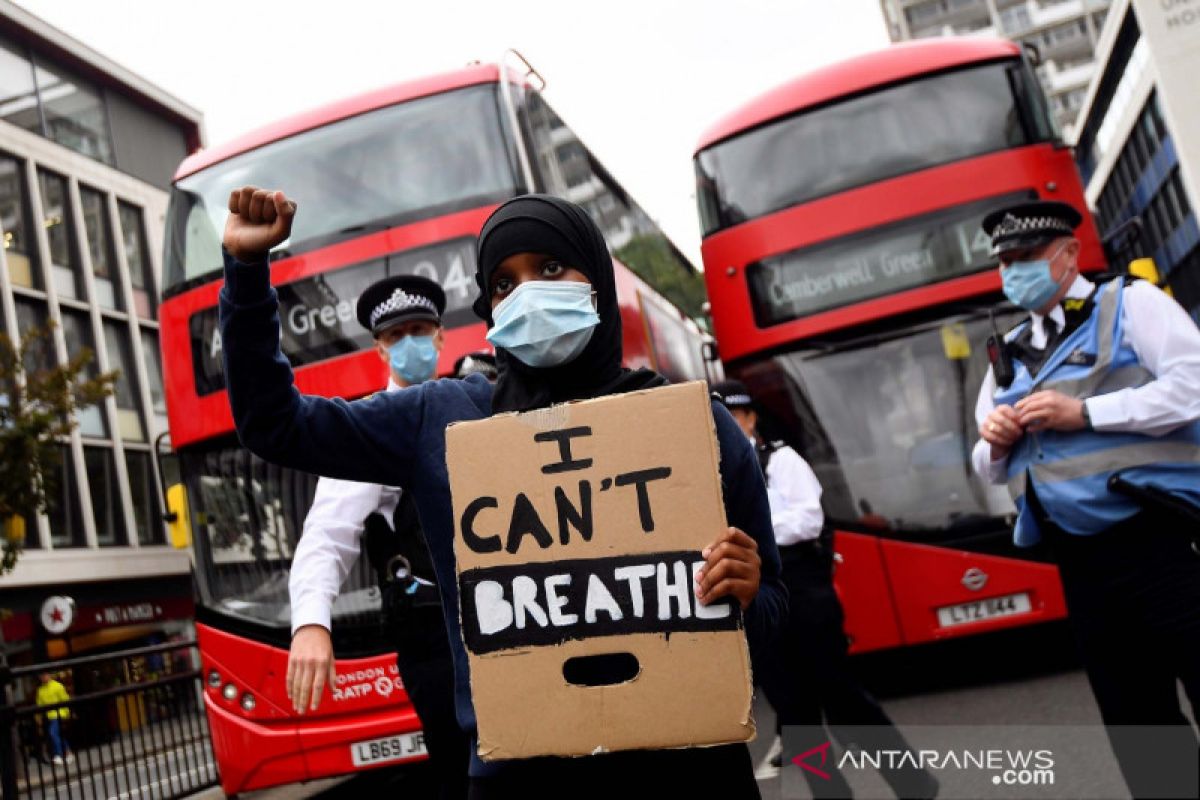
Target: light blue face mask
pixel 1029 284
pixel 545 323
pixel 413 358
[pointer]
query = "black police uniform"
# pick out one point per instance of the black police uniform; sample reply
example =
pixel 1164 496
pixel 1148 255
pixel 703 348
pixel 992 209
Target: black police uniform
pixel 397 551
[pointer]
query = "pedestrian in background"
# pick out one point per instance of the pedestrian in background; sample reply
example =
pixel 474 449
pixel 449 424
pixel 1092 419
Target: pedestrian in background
pixel 807 676
pixel 548 295
pixel 1091 415
pixel 404 316
pixel 51 692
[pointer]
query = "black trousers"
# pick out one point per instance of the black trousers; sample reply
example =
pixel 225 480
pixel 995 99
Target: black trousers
pixel 1133 596
pixel 724 772
pixel 808 681
pixel 423 657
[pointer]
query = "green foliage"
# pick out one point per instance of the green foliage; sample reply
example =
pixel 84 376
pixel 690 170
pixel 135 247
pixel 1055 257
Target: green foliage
pixel 38 406
pixel 652 259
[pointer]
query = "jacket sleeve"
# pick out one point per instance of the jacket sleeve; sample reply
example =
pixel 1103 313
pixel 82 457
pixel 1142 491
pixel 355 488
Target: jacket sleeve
pixel 371 440
pixel 746 507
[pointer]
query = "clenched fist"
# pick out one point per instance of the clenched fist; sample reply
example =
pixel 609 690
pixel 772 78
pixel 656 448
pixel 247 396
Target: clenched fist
pixel 258 220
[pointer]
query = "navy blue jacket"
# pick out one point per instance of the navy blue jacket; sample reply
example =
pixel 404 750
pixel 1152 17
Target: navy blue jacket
pixel 398 439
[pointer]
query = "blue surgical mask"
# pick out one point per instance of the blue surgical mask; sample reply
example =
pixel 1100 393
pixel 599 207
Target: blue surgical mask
pixel 1029 284
pixel 413 358
pixel 545 323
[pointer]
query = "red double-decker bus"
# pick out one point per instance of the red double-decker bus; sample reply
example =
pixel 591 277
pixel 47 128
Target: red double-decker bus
pixel 395 181
pixel 851 290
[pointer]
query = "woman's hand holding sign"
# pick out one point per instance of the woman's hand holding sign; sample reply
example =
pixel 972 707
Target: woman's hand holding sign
pixel 258 220
pixel 733 568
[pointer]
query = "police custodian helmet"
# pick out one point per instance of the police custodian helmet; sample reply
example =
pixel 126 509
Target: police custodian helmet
pixel 1028 225
pixel 400 298
pixel 733 394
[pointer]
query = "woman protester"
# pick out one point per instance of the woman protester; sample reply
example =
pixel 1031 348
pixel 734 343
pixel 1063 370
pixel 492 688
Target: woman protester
pixel 548 295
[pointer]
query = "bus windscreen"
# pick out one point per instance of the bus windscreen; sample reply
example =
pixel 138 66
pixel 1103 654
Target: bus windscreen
pixel 248 516
pixel 864 139
pixel 395 165
pixel 888 425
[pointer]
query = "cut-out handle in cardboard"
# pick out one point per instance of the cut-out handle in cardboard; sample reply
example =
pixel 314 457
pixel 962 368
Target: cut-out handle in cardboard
pixel 605 669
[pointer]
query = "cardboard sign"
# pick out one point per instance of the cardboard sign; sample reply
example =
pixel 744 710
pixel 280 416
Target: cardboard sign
pixel 578 533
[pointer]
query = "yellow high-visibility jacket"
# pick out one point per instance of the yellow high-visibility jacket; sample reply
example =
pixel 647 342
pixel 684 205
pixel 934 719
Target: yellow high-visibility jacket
pixel 50 693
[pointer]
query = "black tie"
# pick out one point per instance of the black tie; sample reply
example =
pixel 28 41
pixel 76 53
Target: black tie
pixel 1052 332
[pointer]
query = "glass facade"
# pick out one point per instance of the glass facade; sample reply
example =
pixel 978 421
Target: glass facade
pixel 93 275
pixel 1145 182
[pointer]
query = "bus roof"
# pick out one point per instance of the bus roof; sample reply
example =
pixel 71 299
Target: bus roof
pixel 894 63
pixel 340 109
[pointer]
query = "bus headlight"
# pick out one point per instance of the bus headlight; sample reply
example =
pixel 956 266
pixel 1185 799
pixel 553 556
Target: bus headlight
pixel 214 679
pixel 247 702
pixel 229 692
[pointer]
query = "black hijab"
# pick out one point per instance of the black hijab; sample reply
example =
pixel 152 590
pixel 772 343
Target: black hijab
pixel 539 223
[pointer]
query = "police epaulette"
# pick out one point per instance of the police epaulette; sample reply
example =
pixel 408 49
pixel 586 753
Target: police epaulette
pixel 1104 277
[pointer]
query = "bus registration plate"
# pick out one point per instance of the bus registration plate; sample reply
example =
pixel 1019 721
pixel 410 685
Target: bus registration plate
pixel 988 608
pixel 402 747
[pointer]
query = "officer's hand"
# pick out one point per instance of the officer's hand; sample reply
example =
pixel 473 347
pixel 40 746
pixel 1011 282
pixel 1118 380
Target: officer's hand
pixel 258 220
pixel 733 568
pixel 310 667
pixel 1001 430
pixel 1049 410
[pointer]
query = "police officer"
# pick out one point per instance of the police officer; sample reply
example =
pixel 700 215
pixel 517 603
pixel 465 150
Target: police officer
pixel 403 314
pixel 1090 415
pixel 807 677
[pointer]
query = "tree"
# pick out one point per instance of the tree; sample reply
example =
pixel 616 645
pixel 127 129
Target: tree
pixel 38 407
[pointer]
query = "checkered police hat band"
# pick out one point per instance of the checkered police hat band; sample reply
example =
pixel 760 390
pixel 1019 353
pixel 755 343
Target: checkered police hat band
pixel 402 301
pixel 1011 226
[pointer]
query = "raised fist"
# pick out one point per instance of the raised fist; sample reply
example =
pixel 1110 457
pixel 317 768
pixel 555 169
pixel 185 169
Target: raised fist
pixel 258 220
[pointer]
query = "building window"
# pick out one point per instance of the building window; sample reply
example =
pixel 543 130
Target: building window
pixel 32 314
pixel 147 508
pixel 137 257
pixel 158 400
pixel 60 231
pixel 63 511
pixel 19 105
pixel 100 248
pixel 19 243
pixel 106 495
pixel 77 331
pixel 74 112
pixel 1015 20
pixel 129 417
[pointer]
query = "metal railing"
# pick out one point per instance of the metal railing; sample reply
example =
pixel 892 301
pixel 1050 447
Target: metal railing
pixel 145 738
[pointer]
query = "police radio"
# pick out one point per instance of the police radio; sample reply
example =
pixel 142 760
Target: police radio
pixel 1000 356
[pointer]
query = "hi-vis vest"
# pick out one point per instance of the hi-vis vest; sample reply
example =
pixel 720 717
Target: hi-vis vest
pixel 1070 470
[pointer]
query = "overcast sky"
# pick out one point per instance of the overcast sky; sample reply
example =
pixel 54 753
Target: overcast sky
pixel 638 80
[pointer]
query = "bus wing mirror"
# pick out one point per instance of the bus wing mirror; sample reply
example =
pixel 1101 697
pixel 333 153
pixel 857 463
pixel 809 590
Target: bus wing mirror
pixel 179 524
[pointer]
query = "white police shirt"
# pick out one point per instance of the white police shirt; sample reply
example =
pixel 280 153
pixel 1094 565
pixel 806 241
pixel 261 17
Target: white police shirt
pixel 794 494
pixel 1166 341
pixel 330 543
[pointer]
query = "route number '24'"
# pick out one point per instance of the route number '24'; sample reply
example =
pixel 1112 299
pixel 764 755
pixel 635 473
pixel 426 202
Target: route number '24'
pixel 457 278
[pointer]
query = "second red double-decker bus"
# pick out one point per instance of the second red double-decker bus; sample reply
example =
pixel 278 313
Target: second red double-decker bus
pixel 393 182
pixel 852 290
